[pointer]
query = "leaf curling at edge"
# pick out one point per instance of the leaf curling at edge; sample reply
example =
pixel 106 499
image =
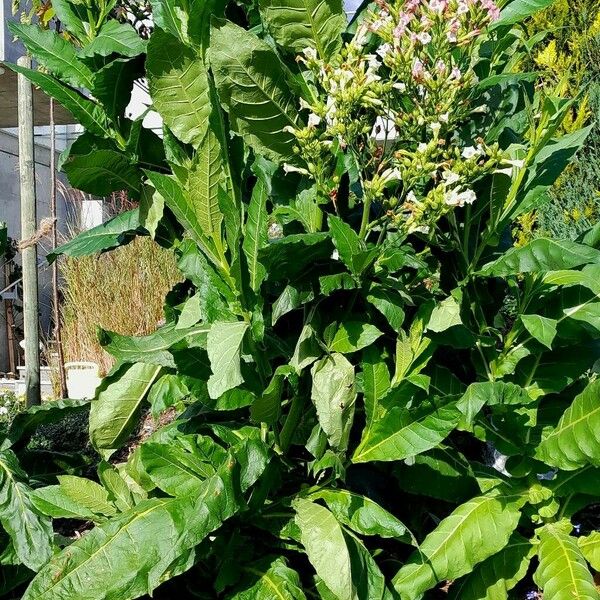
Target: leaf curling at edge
pixel 124 558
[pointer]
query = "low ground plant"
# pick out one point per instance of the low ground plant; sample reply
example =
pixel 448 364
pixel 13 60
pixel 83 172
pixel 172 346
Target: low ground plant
pixel 363 390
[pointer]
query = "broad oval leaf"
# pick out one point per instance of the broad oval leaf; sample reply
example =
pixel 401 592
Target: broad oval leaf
pixel 354 335
pixel 518 10
pixel 402 432
pixel 540 255
pixel 361 514
pixel 178 85
pixel 224 348
pixel 334 395
pixel 29 531
pixel 590 548
pixel 115 37
pixel 53 52
pixel 563 573
pixel 325 546
pixel 473 532
pixel 124 558
pixel 118 231
pixel 252 85
pixel 267 579
pixel 300 24
pixel 113 412
pixel 496 576
pixel 574 442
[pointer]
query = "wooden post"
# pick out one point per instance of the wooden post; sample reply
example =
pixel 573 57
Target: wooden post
pixel 53 215
pixel 28 230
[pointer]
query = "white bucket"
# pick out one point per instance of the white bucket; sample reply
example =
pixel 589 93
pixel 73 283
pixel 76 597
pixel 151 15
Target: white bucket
pixel 82 379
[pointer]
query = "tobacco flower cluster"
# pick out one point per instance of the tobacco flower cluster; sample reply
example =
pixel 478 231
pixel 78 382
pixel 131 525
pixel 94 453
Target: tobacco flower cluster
pixel 394 98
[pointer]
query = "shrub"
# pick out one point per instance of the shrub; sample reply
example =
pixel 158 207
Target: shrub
pixel 355 335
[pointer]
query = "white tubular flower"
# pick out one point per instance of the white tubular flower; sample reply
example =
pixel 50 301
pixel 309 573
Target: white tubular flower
pixel 313 120
pixel 455 198
pixel 289 129
pixel 422 147
pixel 444 117
pixel 287 168
pixel 519 164
pixel 424 229
pixel 424 37
pixel 384 50
pixel 399 86
pixel 450 177
pixel 391 175
pixel 470 152
pixel 411 198
pixel 435 127
pixel 304 104
pixel 3 410
pixel 310 53
pixel 360 38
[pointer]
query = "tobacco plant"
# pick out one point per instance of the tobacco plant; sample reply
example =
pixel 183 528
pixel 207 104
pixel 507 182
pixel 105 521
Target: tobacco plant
pixel 362 390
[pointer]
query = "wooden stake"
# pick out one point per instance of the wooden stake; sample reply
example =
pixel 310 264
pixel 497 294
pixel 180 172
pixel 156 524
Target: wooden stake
pixel 28 230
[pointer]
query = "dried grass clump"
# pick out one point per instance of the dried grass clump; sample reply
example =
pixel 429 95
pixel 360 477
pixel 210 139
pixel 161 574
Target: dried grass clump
pixel 122 290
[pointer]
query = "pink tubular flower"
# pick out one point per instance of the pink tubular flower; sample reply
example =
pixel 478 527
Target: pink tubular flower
pixel 418 69
pixel 440 66
pixel 438 6
pixel 424 38
pixel 455 74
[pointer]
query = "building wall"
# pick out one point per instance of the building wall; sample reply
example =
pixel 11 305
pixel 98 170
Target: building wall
pixel 10 207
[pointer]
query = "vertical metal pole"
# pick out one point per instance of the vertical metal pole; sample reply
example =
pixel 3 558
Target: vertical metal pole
pixel 28 230
pixel 53 214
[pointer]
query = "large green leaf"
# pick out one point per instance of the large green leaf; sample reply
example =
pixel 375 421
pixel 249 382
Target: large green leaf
pixel 115 37
pixel 113 413
pixel 125 558
pixel 252 85
pixel 53 52
pixel 54 502
pixel 300 24
pixel 401 433
pixel 376 382
pixel 151 349
pixel 518 10
pixel 562 573
pixel 178 85
pixel 180 202
pixel 267 579
pixel 473 532
pixel 539 255
pixel 29 531
pixel 574 442
pixel 354 335
pixel 114 82
pixel 256 234
pixel 204 178
pixel 87 112
pixel 324 542
pixel 224 350
pixel 543 329
pixel 118 231
pixel 590 548
pixel 334 395
pixel 88 493
pixel 179 466
pixel 102 172
pixel 496 576
pixel 491 393
pixel 361 514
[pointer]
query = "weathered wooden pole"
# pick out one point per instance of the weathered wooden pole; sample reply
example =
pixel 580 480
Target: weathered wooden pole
pixel 28 230
pixel 54 217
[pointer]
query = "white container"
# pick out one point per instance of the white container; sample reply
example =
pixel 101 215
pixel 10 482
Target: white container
pixel 82 379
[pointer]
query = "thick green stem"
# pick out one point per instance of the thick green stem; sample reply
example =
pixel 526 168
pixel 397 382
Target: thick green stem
pixel 365 218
